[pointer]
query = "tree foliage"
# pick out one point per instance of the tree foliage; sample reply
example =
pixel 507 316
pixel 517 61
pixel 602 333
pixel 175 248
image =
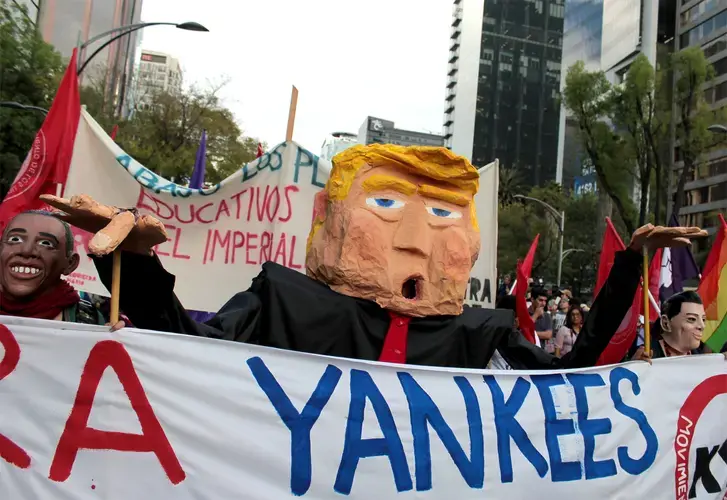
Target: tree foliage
pixel 165 135
pixel 622 129
pixel 692 71
pixel 520 222
pixel 509 185
pixel 625 128
pixel 30 71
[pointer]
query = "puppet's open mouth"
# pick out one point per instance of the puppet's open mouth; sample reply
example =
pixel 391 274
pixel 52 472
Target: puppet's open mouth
pixel 410 288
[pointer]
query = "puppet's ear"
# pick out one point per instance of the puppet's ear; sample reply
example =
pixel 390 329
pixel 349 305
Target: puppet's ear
pixel 320 204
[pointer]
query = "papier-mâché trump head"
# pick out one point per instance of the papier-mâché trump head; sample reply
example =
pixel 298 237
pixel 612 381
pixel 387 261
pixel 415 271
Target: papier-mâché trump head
pixel 397 225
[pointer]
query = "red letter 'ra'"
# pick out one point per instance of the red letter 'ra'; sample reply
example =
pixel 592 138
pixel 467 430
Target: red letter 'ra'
pixel 9 451
pixel 77 435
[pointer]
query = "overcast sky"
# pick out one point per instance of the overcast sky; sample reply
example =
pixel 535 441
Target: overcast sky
pixel 348 58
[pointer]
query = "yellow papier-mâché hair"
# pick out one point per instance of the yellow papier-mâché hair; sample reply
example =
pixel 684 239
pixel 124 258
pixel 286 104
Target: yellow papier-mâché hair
pixel 436 163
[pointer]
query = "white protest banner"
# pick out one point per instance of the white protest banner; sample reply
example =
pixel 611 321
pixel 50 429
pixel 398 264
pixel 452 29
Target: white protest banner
pixel 220 236
pixel 88 414
pixel 482 287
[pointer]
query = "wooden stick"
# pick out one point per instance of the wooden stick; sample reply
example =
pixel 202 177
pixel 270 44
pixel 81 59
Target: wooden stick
pixel 647 324
pixel 291 114
pixel 115 287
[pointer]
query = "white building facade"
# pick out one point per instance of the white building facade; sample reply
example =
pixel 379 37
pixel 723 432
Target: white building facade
pixel 157 72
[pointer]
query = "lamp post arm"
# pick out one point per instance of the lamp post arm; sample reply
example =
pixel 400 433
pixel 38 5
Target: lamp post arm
pixel 108 42
pixel 130 27
pixel 557 214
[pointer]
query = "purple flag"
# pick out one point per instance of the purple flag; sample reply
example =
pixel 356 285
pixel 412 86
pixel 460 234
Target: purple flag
pixel 199 165
pixel 200 316
pixel 677 266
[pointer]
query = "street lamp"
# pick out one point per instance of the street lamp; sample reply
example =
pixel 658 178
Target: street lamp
pixel 125 30
pixel 560 217
pixel 24 107
pixel 720 129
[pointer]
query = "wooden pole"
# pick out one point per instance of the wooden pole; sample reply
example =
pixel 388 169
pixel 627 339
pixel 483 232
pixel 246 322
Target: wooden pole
pixel 647 324
pixel 291 114
pixel 115 287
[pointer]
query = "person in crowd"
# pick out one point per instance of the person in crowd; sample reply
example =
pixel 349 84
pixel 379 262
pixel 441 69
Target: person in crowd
pixel 560 314
pixel 388 260
pixel 549 344
pixel 678 332
pixel 504 288
pixel 566 336
pixel 541 318
pixel 36 251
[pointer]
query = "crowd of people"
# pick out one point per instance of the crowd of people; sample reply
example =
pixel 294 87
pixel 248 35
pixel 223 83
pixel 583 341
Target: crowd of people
pixel 559 318
pixel 376 286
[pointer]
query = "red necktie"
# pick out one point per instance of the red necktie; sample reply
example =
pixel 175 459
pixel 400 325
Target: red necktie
pixel 394 350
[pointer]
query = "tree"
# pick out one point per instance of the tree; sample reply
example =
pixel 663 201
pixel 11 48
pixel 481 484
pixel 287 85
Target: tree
pixel 692 71
pixel 509 185
pixel 518 223
pixel 589 97
pixel 635 112
pixel 30 71
pixel 164 136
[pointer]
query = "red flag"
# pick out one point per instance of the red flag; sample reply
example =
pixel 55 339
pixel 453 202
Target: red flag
pixel 524 268
pixel 259 150
pixel 114 131
pixel 624 336
pixel 49 158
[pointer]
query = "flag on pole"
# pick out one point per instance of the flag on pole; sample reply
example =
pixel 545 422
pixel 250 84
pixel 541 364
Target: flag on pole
pixel 677 266
pixel 626 333
pixel 524 268
pixel 197 179
pixel 114 131
pixel 49 158
pixel 259 150
pixel 713 291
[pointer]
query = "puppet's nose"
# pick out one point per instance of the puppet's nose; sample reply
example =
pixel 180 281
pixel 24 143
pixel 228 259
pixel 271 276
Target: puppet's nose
pixel 413 233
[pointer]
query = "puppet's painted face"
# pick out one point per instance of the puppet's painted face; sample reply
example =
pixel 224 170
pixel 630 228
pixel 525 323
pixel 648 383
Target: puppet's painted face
pixel 684 331
pixel 402 240
pixel 33 256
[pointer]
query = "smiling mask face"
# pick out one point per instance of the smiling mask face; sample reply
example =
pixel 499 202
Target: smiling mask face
pixel 684 331
pixel 33 256
pixel 399 231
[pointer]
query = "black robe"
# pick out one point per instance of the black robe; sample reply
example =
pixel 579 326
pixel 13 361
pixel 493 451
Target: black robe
pixel 288 310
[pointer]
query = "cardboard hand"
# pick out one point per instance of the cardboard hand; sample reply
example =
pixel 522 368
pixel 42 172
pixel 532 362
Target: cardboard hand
pixel 662 237
pixel 113 227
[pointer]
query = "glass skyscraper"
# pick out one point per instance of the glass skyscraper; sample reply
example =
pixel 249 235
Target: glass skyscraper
pixel 502 93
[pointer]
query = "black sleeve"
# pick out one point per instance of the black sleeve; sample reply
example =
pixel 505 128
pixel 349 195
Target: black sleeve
pixel 147 298
pixel 610 307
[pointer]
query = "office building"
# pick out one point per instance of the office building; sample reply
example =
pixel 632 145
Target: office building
pixel 157 72
pixel 606 35
pixel 704 23
pixel 65 24
pixel 376 130
pixel 503 81
pixel 337 142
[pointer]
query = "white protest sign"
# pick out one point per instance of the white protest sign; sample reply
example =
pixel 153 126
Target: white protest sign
pixel 87 414
pixel 220 237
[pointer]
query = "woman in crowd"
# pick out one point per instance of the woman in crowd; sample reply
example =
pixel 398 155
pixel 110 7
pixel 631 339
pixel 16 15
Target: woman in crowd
pixel 568 333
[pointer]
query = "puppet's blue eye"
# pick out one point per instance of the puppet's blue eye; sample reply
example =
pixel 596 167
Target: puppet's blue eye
pixel 444 214
pixel 384 203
